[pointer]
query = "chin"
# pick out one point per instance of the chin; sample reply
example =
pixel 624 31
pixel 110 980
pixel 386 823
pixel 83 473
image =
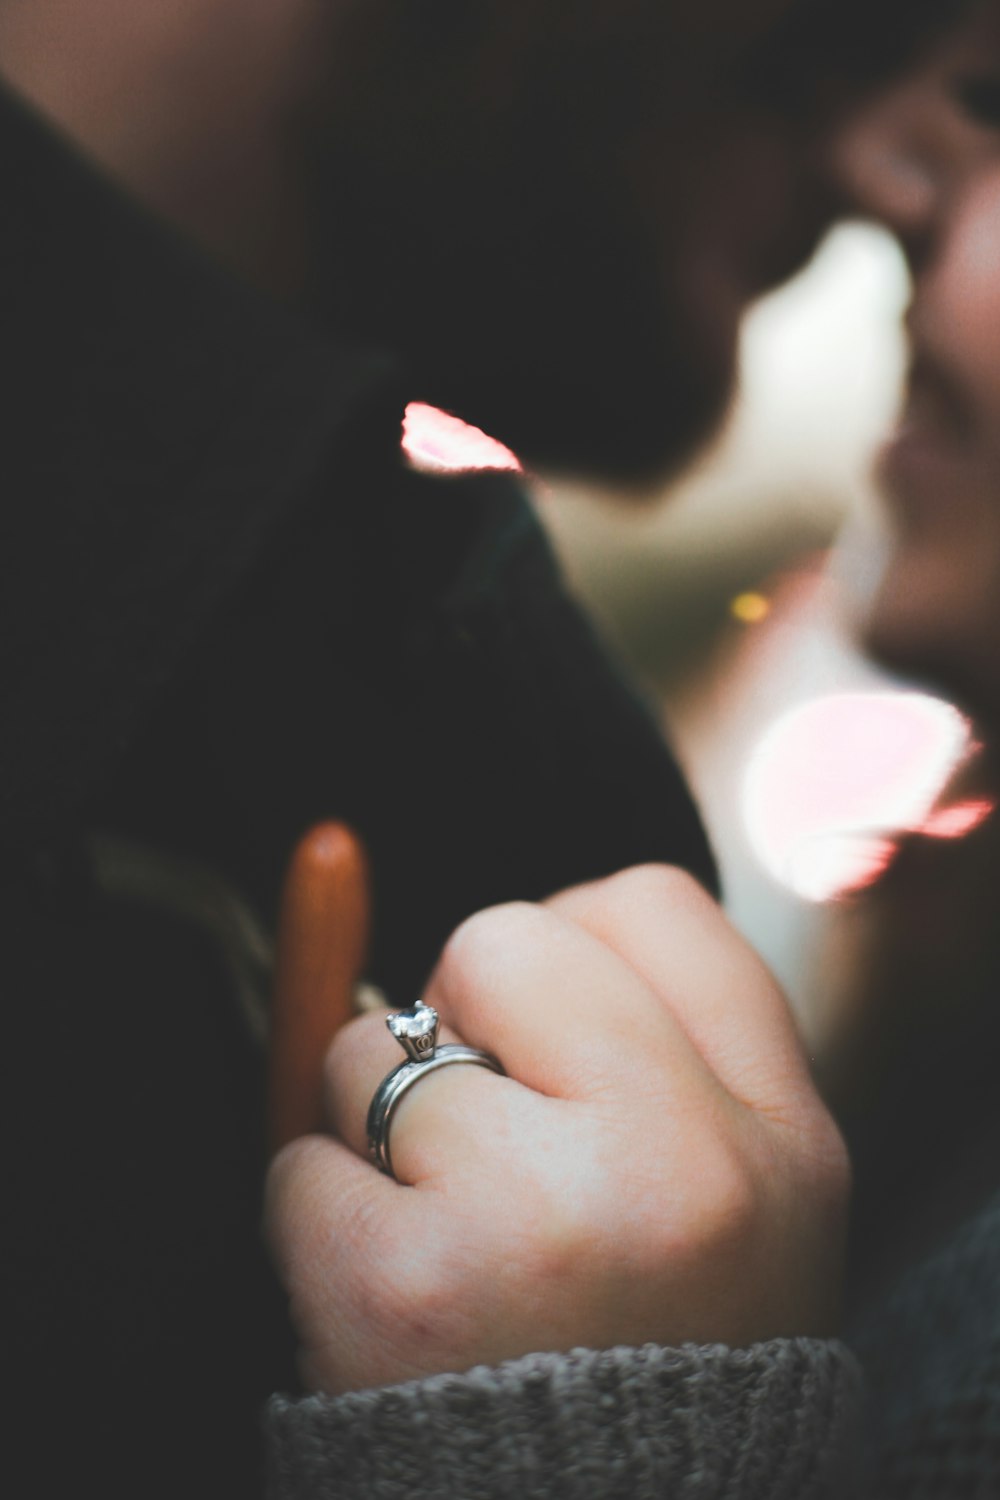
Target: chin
pixel 937 650
pixel 603 385
pixel 936 615
pixel 600 380
pixel 555 326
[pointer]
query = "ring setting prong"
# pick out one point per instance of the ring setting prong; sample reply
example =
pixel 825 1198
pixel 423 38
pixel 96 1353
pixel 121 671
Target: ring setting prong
pixel 416 1031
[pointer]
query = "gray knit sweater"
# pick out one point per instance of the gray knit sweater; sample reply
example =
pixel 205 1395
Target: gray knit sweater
pixel 775 1422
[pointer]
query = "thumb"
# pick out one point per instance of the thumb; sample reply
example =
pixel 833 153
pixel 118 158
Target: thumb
pixel 323 933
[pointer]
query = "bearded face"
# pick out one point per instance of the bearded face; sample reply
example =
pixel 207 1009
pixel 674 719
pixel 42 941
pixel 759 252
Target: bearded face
pixel 556 212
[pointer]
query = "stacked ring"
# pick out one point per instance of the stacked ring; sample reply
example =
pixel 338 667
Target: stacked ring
pixel 416 1031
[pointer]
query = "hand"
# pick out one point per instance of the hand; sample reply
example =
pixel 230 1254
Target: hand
pixel 656 1167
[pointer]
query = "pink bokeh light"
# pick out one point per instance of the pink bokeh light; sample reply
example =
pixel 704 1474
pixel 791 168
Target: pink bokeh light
pixel 957 821
pixel 437 443
pixel 834 784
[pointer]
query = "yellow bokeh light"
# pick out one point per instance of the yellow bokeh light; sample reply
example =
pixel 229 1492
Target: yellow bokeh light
pixel 750 608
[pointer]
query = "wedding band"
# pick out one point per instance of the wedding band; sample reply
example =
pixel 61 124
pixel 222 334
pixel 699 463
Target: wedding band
pixel 416 1031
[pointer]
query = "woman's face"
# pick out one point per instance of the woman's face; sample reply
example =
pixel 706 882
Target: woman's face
pixel 924 157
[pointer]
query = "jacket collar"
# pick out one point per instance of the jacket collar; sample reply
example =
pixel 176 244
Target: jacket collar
pixel 160 422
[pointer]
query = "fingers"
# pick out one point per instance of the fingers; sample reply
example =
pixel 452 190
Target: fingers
pixel 672 934
pixel 565 1014
pixel 322 942
pixel 329 1219
pixel 458 1116
pixel 609 1190
pixel 569 1020
pixel 567 1017
pixel 630 988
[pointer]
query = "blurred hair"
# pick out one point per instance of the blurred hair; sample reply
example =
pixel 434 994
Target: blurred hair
pixel 505 186
pixel 619 60
pixel 850 45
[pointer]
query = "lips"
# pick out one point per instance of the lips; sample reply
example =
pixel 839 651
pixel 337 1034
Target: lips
pixel 934 447
pixel 936 403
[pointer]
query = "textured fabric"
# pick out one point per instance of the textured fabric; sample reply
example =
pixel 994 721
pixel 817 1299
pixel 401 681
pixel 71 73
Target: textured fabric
pixel 770 1423
pixel 932 1361
pixel 229 611
pixel 160 423
pixel 929 1428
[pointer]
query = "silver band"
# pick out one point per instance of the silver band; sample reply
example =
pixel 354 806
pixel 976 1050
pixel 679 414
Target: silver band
pixel 395 1084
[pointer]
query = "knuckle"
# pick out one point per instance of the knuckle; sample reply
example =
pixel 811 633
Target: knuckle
pixel 578 1218
pixel 809 1139
pixel 648 885
pixel 478 948
pixel 669 882
pixel 713 1208
pixel 706 1205
pixel 659 887
pixel 568 1252
pixel 730 1201
pixel 826 1161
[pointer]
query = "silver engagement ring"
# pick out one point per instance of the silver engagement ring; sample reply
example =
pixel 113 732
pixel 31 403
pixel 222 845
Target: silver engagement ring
pixel 416 1032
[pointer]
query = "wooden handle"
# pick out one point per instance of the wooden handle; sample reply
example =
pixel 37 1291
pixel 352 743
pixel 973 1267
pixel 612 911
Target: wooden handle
pixel 323 933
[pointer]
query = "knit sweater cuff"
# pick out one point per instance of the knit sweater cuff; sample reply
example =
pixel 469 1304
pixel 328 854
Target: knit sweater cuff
pixel 775 1422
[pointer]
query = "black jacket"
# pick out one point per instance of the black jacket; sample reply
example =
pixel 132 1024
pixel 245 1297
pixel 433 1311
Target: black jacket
pixel 229 610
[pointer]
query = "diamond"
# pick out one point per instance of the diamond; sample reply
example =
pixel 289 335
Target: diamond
pixel 416 1031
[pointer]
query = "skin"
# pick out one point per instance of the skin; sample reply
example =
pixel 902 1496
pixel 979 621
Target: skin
pixel 564 261
pixel 924 158
pixel 657 1166
pixel 554 213
pixel 190 104
pixel 528 1214
pixel 558 224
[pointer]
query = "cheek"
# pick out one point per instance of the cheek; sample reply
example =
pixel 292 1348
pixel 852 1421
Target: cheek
pixel 939 605
pixel 962 300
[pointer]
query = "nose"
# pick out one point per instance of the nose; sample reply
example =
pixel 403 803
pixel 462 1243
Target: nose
pixel 908 154
pixel 891 160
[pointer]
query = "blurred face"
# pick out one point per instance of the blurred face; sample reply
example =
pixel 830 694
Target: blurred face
pixel 554 210
pixel 925 158
pixel 557 212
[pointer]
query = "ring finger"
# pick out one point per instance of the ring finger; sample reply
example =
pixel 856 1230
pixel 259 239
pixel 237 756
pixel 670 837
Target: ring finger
pixel 456 1113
